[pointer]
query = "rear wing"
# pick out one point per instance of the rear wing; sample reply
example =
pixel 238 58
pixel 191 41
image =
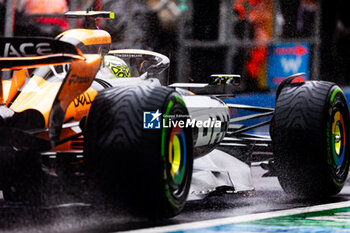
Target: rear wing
pixel 30 52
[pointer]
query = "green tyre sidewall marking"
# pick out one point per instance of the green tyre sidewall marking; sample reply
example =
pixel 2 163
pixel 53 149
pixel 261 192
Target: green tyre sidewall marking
pixel 165 175
pixel 174 99
pixel 334 93
pixel 165 117
pixel 331 155
pixel 180 100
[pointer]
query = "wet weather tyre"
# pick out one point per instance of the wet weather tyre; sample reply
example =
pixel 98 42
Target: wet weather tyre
pixel 147 170
pixel 310 136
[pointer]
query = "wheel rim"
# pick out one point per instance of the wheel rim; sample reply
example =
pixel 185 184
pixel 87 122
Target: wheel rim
pixel 338 139
pixel 177 156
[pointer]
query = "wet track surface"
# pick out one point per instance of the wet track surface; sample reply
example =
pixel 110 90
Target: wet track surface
pixel 83 218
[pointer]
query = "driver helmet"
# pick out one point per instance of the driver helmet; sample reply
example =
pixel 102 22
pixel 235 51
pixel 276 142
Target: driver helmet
pixel 116 66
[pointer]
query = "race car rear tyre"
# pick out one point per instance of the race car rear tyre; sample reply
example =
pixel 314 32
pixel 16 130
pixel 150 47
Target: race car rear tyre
pixel 310 136
pixel 148 170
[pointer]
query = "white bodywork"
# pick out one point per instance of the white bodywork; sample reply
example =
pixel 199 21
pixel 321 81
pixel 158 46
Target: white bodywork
pixel 219 169
pixel 204 108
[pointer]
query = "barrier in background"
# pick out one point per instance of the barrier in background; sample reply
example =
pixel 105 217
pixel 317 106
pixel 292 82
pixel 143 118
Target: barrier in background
pixel 285 59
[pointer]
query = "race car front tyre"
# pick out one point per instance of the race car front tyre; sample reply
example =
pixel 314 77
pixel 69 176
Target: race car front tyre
pixel 132 157
pixel 310 136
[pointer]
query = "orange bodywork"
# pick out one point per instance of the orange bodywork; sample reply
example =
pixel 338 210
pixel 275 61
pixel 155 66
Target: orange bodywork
pixel 39 94
pixel 79 79
pixel 74 95
pixel 71 95
pixel 41 99
pixel 19 77
pixel 80 106
pixel 88 36
pixel 6 85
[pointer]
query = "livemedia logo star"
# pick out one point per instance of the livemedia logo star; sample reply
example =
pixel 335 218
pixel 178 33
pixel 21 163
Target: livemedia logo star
pixel 151 120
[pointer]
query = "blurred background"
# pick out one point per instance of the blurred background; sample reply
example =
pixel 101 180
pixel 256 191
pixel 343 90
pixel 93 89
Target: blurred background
pixel 263 40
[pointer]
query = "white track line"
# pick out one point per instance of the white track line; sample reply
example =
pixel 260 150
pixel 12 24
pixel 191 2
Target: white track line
pixel 240 219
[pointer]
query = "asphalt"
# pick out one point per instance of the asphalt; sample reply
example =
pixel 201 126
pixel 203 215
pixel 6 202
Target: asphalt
pixel 77 217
